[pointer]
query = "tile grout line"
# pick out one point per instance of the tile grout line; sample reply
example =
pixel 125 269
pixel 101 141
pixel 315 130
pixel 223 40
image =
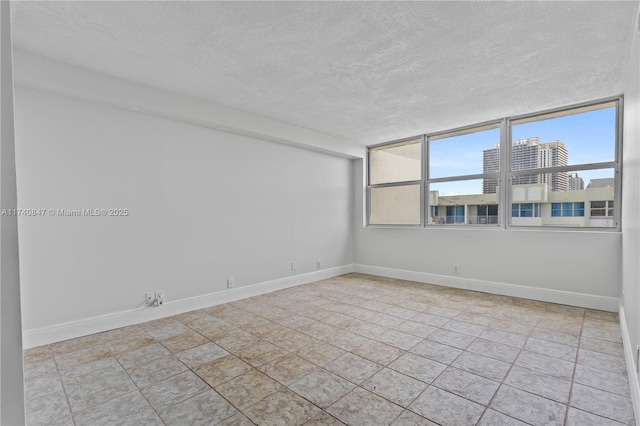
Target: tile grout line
pixel 127 373
pixel 356 386
pixel 423 339
pixel 166 378
pixel 351 352
pixel 513 363
pixel 260 371
pixel 450 364
pixel 575 368
pixel 384 366
pixel 593 387
pixel 66 396
pixel 445 369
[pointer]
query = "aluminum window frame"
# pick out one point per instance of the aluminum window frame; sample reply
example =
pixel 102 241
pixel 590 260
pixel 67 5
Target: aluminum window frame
pixel 459 131
pixel 419 182
pixel 505 176
pixel 615 164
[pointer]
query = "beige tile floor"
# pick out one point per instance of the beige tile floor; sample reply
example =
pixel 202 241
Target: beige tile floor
pixel 355 349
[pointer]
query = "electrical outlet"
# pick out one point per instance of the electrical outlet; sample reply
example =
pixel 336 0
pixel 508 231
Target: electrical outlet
pixel 293 266
pixel 149 297
pixel 159 300
pixel 230 282
pixel 318 264
pixel 154 298
pixel 456 268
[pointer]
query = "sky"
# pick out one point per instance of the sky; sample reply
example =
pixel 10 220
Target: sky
pixel 589 138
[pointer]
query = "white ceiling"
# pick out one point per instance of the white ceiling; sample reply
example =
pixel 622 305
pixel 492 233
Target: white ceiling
pixel 364 71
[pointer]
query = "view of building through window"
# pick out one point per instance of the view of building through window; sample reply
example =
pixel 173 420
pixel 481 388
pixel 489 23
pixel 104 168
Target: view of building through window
pixel 562 172
pixel 529 154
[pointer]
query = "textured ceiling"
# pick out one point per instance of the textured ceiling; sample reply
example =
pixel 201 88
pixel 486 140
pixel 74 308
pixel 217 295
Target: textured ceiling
pixel 364 71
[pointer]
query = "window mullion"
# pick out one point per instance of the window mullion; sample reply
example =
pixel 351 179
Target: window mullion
pixel 424 201
pixel 505 173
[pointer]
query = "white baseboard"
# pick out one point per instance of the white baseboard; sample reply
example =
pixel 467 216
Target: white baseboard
pixel 634 385
pixel 526 292
pixel 71 330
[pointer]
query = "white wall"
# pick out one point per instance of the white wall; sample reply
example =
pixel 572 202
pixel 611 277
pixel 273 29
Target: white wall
pixel 580 268
pixel 11 368
pixel 630 295
pixel 204 206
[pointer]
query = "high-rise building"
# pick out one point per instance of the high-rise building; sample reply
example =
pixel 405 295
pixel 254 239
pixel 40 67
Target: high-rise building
pixel 576 183
pixel 528 154
pixel 552 154
pixel 525 155
pixel 490 164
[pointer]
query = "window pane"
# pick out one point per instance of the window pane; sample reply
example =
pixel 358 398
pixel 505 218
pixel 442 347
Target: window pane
pixel 524 210
pixel 473 152
pixel 569 208
pixel 580 136
pixel 399 162
pixel 602 209
pixel 455 214
pixel 395 205
pixel 462 202
pixel 599 201
pixel 487 214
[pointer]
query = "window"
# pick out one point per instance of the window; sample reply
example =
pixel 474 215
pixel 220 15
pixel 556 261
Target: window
pixel 395 173
pixel 400 162
pixel 459 178
pixel 540 170
pixel 455 214
pixel 487 214
pixel 602 209
pixel 573 153
pixel 567 209
pixel 525 210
